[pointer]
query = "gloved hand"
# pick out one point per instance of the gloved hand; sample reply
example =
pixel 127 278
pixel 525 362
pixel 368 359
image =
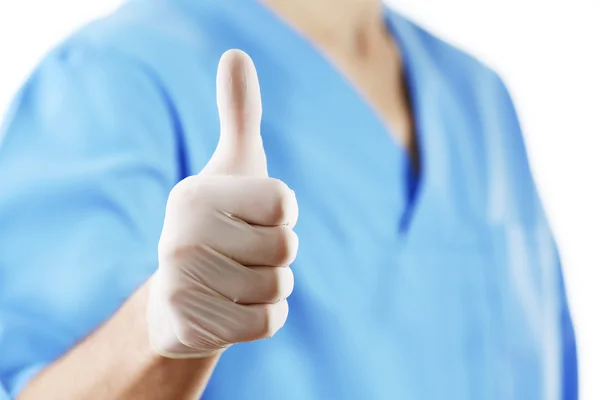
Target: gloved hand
pixel 227 240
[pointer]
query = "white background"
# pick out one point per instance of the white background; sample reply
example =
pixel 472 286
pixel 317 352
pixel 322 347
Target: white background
pixel 547 51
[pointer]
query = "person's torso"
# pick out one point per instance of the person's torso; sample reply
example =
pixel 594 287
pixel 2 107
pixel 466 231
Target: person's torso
pixel 447 294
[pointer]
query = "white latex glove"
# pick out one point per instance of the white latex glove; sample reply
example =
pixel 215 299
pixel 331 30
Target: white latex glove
pixel 227 240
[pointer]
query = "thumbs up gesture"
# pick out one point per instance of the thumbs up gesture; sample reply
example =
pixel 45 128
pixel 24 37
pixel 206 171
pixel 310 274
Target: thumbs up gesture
pixel 227 240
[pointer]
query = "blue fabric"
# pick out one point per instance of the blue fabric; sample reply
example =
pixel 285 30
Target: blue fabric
pixel 449 290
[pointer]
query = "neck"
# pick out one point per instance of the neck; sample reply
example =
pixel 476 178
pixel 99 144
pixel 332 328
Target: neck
pixel 346 26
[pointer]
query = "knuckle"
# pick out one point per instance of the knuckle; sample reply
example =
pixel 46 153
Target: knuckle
pixel 280 202
pixel 287 246
pixel 182 190
pixel 190 190
pixel 280 284
pixel 279 187
pixel 271 321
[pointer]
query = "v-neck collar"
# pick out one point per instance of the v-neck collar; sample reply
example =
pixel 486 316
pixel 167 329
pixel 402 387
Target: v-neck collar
pixel 423 82
pixel 254 21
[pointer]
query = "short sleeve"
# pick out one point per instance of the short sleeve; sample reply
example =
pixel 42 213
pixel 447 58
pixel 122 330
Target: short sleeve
pixel 570 369
pixel 528 190
pixel 88 155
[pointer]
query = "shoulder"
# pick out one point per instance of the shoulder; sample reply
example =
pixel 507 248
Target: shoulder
pixel 489 124
pixel 474 87
pixel 104 89
pixel 462 70
pixel 154 33
pixel 143 41
pixel 149 63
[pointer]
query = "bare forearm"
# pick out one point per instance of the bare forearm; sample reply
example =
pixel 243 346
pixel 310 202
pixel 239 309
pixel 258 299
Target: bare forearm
pixel 116 362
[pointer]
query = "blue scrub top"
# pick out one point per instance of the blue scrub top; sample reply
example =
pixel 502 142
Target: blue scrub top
pixel 453 293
